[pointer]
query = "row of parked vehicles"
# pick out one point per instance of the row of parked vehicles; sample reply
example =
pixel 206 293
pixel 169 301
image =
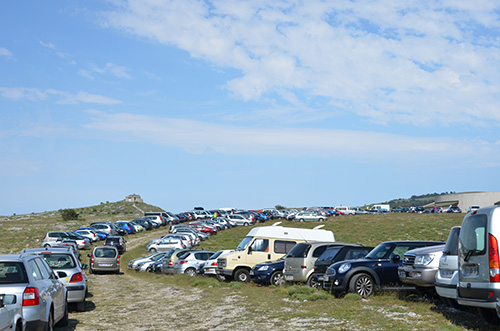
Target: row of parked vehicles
pixel 463 271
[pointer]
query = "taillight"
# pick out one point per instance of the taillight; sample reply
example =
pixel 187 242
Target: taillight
pixel 494 259
pixel 31 296
pixel 118 260
pixel 92 259
pixel 183 262
pixel 214 264
pixel 170 262
pixel 78 277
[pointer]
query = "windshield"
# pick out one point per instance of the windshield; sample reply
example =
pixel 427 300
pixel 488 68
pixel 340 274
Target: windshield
pixel 329 254
pixel 59 261
pixel 299 250
pixel 244 243
pixel 380 251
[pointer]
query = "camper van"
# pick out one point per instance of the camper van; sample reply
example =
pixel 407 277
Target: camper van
pixel 266 243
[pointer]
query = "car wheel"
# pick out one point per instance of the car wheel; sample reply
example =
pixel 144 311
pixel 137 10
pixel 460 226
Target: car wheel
pixel 190 272
pixel 245 224
pixel 91 271
pixel 277 278
pixel 301 220
pixel 361 284
pixel 320 219
pixel 220 278
pixel 80 306
pixel 312 281
pixel 153 250
pixel 242 275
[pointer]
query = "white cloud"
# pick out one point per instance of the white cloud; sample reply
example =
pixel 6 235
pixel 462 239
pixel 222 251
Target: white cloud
pixel 203 137
pixel 418 63
pixel 33 94
pixel 108 68
pixel 48 45
pixel 5 52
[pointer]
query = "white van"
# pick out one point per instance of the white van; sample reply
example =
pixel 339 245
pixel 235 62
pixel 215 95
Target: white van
pixel 479 261
pixel 266 243
pixel 346 210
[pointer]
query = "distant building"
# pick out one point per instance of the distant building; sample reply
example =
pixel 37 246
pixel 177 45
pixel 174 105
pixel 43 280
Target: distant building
pixel 467 199
pixel 133 198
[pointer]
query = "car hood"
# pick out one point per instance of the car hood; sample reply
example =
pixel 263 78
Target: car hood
pixel 426 250
pixel 271 263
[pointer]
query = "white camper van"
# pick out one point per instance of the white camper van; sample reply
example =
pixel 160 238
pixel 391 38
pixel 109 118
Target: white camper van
pixel 266 243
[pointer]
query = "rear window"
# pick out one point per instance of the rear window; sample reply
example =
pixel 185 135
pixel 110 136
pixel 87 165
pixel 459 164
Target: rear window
pixel 58 260
pixel 105 252
pixel 300 250
pixel 451 247
pixel 329 254
pixel 473 235
pixel 12 273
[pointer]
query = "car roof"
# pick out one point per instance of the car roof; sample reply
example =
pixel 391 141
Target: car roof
pixel 47 249
pixel 10 257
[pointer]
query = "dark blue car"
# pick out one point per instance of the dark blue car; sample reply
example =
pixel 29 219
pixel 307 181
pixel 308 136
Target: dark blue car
pixel 378 269
pixel 270 272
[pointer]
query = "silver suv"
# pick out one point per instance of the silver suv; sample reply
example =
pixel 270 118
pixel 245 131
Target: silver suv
pixel 189 262
pixel 70 271
pixel 36 287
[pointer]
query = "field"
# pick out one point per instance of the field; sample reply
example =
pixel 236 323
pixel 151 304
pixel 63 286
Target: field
pixel 136 301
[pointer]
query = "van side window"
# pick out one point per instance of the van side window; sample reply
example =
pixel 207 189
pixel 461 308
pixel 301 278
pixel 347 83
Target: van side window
pixel 260 245
pixel 319 250
pixel 283 247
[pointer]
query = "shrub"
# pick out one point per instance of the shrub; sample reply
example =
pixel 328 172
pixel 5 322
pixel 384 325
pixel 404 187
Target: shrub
pixel 306 293
pixel 69 214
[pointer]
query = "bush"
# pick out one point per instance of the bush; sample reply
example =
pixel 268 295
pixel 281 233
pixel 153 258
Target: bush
pixel 306 293
pixel 69 214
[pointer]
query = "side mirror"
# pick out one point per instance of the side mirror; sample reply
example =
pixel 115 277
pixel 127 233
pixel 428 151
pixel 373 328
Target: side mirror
pixel 250 250
pixel 88 255
pixel 85 266
pixel 395 259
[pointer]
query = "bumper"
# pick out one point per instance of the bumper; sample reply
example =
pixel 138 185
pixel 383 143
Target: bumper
pixel 478 297
pixel 76 293
pixel 295 277
pixel 224 272
pixel 260 277
pixel 333 283
pixel 417 276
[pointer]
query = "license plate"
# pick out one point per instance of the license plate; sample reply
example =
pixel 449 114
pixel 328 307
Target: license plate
pixel 320 278
pixel 446 273
pixel 470 271
pixel 402 274
pixel 105 264
pixel 288 277
pixel 251 273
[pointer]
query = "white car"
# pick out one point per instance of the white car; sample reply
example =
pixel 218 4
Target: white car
pixel 309 216
pixel 11 313
pixel 88 234
pixel 166 244
pixel 240 220
pixel 210 266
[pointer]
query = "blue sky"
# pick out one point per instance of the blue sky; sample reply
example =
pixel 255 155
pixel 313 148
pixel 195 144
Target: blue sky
pixel 246 104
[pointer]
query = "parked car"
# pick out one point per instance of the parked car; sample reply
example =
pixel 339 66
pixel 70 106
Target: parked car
pixel 36 287
pixel 239 219
pixel 333 254
pixel 172 257
pixel 100 234
pixel 473 209
pixel 479 262
pixel 454 209
pixel 132 263
pixel 378 269
pixel 269 272
pixel 309 216
pixel 145 263
pixel 104 259
pixel 144 222
pixel 299 262
pixel 106 227
pixel 420 266
pixel 54 236
pixel 189 262
pixel 446 280
pixel 70 271
pixel 92 235
pixel 166 244
pixel 118 242
pixel 126 226
pixel 11 313
pixel 209 267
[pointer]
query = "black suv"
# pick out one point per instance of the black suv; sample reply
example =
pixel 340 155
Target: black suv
pixel 116 241
pixel 334 254
pixel 379 269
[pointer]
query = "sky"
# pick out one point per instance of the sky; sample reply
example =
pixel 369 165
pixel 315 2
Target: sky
pixel 246 104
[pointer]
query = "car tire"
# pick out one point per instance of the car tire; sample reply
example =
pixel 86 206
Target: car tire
pixel 301 220
pixel 277 278
pixel 320 219
pixel 245 224
pixel 50 322
pixel 91 271
pixel 190 272
pixel 80 306
pixel 362 284
pixel 312 281
pixel 153 250
pixel 242 275
pixel 220 278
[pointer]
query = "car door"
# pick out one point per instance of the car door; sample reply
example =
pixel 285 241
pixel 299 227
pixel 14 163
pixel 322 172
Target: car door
pixel 55 288
pixel 258 251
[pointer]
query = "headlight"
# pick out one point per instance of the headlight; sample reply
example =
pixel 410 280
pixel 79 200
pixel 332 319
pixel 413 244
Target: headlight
pixel 263 268
pixel 344 268
pixel 424 259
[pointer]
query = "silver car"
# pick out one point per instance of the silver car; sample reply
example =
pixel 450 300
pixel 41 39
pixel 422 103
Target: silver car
pixel 70 271
pixel 36 287
pixel 11 313
pixel 104 259
pixel 189 262
pixel 166 244
pixel 133 263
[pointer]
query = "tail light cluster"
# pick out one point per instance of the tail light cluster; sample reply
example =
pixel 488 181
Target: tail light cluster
pixel 494 259
pixel 77 277
pixel 31 297
pixel 183 262
pixel 118 260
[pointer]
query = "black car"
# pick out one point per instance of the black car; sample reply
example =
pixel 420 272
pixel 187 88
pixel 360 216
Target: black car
pixel 144 222
pixel 379 269
pixel 116 241
pixel 269 272
pixel 454 209
pixel 334 254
